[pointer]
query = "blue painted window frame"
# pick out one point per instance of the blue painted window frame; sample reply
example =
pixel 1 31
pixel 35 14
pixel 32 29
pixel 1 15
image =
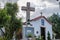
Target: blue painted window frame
pixel 42 22
pixel 29 28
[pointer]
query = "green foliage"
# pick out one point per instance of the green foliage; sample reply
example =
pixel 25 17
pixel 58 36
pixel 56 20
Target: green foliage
pixel 39 38
pixel 3 38
pixel 14 23
pixel 9 21
pixel 48 36
pixel 12 9
pixel 55 19
pixel 4 18
pixel 29 35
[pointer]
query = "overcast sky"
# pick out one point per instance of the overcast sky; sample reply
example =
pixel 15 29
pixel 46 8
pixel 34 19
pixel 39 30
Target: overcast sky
pixel 47 7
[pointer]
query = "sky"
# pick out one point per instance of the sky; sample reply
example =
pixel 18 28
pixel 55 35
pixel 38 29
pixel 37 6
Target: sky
pixel 47 7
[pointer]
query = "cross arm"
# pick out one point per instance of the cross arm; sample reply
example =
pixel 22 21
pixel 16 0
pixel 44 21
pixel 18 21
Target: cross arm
pixel 24 8
pixel 32 9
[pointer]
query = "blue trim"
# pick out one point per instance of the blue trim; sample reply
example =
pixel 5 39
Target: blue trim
pixel 42 22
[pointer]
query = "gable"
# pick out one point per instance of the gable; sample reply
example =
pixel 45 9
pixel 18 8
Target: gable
pixel 37 18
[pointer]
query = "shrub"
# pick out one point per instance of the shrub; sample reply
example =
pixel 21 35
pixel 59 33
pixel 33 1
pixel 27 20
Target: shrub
pixel 29 35
pixel 3 38
pixel 48 36
pixel 39 38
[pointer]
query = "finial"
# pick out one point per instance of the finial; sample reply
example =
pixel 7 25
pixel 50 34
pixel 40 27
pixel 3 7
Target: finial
pixel 41 13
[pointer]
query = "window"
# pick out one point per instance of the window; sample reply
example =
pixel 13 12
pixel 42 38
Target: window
pixel 37 32
pixel 42 21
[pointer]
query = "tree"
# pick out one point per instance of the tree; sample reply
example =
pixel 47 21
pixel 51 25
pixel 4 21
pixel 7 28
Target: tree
pixel 14 24
pixel 55 19
pixel 48 36
pixel 9 21
pixel 4 18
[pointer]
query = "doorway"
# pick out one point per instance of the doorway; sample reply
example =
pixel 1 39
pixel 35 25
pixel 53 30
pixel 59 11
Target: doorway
pixel 43 32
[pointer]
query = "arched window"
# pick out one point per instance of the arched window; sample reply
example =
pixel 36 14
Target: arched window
pixel 42 22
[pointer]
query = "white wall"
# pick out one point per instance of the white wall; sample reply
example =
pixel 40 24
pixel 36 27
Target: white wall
pixel 37 25
pixel 48 28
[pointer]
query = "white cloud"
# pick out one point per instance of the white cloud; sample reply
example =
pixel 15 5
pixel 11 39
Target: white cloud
pixel 46 6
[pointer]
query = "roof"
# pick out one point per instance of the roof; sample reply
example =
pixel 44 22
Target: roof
pixel 39 17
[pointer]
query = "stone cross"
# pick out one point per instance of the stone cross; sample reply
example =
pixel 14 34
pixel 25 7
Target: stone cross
pixel 28 9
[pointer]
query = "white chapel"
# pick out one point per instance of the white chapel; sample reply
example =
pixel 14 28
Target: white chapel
pixel 40 26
